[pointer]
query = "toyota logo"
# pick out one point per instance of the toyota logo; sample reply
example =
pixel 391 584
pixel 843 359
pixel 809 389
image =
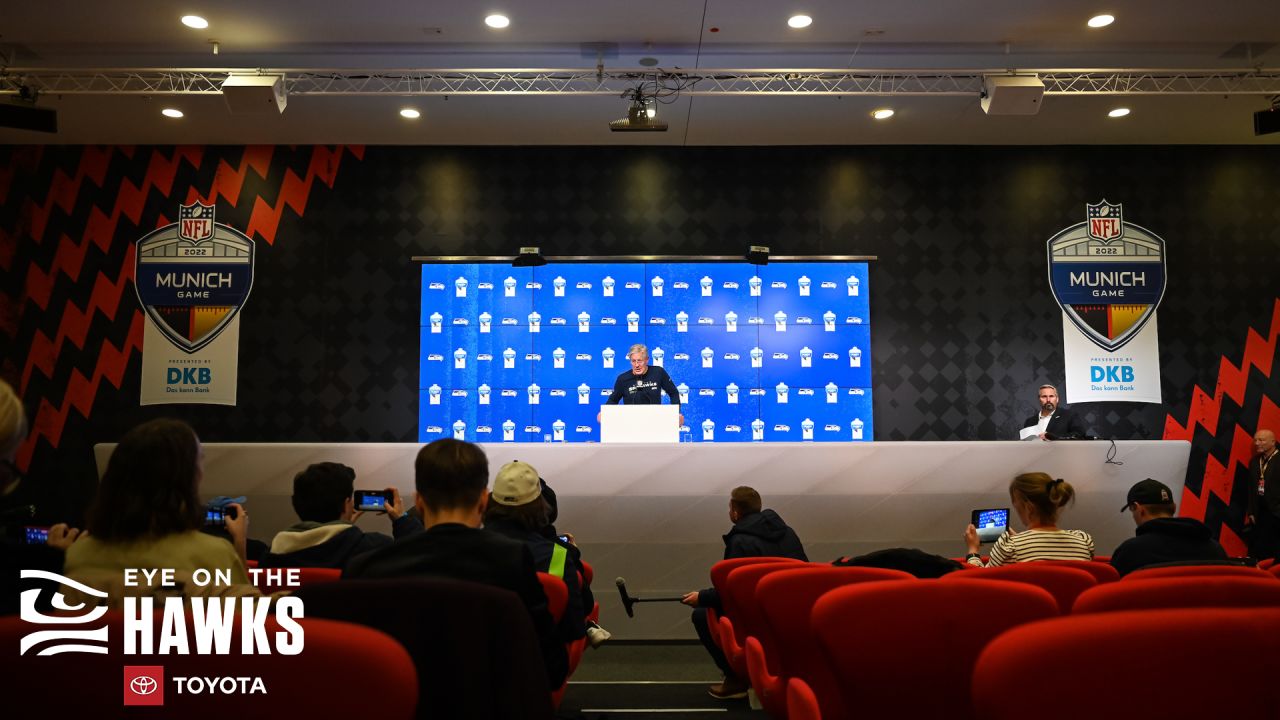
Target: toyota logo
pixel 143 685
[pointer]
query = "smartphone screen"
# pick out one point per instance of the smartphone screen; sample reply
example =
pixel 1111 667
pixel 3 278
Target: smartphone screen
pixel 372 500
pixel 991 523
pixel 214 518
pixel 36 535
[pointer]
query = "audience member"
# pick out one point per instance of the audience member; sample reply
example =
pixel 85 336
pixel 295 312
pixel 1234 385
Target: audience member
pixel 756 532
pixel 323 498
pixel 451 477
pixel 16 553
pixel 517 510
pixel 1161 537
pixel 1038 500
pixel 1264 497
pixel 147 515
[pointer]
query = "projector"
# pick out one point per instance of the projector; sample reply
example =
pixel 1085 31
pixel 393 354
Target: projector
pixel 1266 121
pixel 254 93
pixel 1011 94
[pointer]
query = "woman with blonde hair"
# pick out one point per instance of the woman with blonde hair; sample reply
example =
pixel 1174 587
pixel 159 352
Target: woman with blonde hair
pixel 1038 499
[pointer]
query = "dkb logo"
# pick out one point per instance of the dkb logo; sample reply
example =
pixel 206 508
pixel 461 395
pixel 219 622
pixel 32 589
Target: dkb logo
pixel 189 376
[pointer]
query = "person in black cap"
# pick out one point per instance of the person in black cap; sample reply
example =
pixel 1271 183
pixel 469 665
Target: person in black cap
pixel 1161 537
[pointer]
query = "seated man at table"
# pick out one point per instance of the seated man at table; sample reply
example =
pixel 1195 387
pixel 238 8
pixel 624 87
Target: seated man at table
pixel 325 535
pixel 452 478
pixel 1162 537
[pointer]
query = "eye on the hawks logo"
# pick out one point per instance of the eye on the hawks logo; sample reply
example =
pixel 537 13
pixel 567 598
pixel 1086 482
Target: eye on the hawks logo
pixel 1108 275
pixel 193 276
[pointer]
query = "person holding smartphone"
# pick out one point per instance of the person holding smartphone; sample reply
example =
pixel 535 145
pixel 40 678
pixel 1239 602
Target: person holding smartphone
pixel 324 497
pixel 24 547
pixel 148 514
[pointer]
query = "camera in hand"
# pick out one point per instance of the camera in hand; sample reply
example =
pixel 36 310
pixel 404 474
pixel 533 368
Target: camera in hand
pixel 991 523
pixel 373 500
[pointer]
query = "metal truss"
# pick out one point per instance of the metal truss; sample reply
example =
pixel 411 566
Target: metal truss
pixel 313 81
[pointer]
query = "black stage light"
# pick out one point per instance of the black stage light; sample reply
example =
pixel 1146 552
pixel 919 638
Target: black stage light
pixel 758 255
pixel 24 115
pixel 1267 121
pixel 529 257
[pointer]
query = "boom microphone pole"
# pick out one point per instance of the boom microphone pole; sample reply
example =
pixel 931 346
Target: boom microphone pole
pixel 628 601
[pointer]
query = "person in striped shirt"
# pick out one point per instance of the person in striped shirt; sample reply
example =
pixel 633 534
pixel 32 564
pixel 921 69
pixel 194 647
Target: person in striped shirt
pixel 1038 499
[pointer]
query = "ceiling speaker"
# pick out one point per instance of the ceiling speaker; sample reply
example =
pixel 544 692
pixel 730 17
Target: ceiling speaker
pixel 254 93
pixel 1011 94
pixel 23 116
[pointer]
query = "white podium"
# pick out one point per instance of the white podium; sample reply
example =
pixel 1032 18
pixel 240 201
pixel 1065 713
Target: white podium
pixel 639 423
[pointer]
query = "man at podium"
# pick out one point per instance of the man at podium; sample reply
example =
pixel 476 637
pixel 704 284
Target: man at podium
pixel 642 384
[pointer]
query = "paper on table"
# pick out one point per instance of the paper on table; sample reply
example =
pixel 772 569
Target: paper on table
pixel 1030 432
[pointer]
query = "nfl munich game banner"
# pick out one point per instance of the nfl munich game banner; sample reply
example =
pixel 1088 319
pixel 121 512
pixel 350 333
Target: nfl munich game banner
pixel 192 278
pixel 1109 277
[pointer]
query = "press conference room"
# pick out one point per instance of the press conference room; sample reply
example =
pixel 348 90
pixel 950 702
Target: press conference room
pixel 585 360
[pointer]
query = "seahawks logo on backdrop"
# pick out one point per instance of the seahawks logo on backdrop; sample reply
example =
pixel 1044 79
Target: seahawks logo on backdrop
pixel 193 276
pixel 1107 274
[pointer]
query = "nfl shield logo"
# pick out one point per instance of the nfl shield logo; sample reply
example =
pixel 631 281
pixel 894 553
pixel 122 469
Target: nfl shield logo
pixel 195 222
pixel 1108 276
pixel 1106 221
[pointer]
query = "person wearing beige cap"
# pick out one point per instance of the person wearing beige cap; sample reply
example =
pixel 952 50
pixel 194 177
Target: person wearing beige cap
pixel 518 509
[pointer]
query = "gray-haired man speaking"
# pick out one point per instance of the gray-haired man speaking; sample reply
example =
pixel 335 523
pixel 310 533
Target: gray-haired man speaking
pixel 643 384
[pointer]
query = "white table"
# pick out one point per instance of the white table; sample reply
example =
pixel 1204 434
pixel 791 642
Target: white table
pixel 655 513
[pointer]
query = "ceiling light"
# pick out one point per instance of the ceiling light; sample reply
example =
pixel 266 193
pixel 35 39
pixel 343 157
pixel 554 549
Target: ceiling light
pixel 195 22
pixel 410 113
pixel 1098 21
pixel 882 113
pixel 497 21
pixel 800 21
pixel 171 112
pixel 1118 112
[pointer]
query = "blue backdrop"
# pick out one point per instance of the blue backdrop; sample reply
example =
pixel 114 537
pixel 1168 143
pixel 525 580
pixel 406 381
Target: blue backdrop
pixel 780 352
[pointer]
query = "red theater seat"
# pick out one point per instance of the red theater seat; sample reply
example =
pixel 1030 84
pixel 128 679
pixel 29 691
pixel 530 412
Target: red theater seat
pixel 1181 592
pixel 802 704
pixel 1102 572
pixel 557 594
pixel 907 649
pixel 340 657
pixel 787 648
pixel 1063 583
pixel 742 616
pixel 1198 571
pixel 1103 665
pixel 719 572
pixel 269 581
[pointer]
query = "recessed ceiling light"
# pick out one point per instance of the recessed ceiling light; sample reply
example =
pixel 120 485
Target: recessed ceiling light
pixel 882 113
pixel 195 21
pixel 1118 112
pixel 497 21
pixel 411 113
pixel 800 21
pixel 1098 21
pixel 171 112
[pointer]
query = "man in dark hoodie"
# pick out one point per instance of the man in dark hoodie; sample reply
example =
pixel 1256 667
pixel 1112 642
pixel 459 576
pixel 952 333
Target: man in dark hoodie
pixel 326 537
pixel 1161 537
pixel 755 533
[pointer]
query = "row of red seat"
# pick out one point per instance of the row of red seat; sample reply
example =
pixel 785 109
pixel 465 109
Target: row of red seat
pixel 828 640
pixel 556 590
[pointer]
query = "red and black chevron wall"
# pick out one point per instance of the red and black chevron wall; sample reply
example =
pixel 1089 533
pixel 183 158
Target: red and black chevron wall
pixel 966 327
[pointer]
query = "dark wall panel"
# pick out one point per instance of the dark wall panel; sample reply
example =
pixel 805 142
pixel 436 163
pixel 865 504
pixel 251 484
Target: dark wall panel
pixel 965 324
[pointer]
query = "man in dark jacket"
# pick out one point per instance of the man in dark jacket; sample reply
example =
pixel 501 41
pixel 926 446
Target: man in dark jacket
pixel 452 477
pixel 756 532
pixel 1161 537
pixel 325 535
